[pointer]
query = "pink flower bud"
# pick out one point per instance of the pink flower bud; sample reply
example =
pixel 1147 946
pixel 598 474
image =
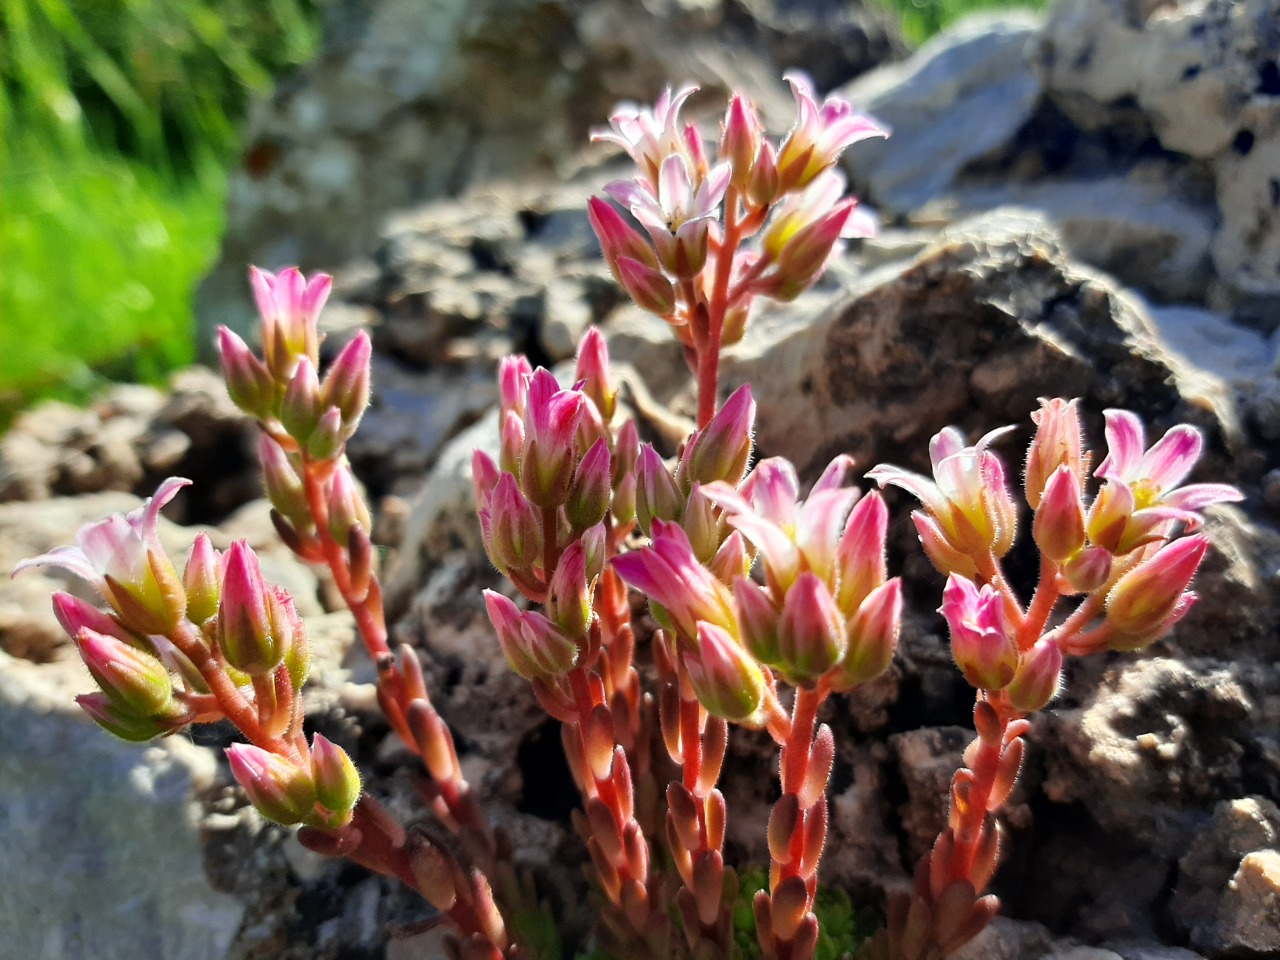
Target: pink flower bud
pixel 134 680
pixel 657 497
pixel 120 722
pixel 1057 443
pixel 811 634
pixel 346 386
pixel 618 238
pixel 290 307
pixel 594 374
pixel 860 558
pixel 245 630
pixel 484 477
pixel 336 780
pixel 758 620
pixel 512 442
pixel 626 450
pixel 279 790
pixel 534 646
pixel 984 652
pixel 725 678
pixel 346 505
pixel 569 595
pixel 325 442
pixel 202 579
pixel 721 450
pixel 249 383
pixel 669 574
pixel 516 541
pixel 648 288
pixel 806 253
pixel 1089 569
pixel 740 136
pixel 595 542
pixel 514 374
pixel 589 492
pixel 75 615
pixel 551 420
pixel 1145 597
pixel 872 635
pixel 1038 677
pixel 1058 528
pixel 300 410
pixel 624 500
pixel 731 560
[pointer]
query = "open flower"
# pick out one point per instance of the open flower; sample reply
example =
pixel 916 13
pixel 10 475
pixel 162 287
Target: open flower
pixel 968 507
pixel 648 134
pixel 122 557
pixel 290 306
pixel 820 134
pixel 1141 491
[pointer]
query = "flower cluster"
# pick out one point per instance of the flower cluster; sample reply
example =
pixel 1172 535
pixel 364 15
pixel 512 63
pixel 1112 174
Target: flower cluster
pixel 689 261
pixel 767 603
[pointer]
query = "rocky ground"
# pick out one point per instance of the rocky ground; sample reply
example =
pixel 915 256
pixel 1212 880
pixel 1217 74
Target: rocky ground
pixel 1083 205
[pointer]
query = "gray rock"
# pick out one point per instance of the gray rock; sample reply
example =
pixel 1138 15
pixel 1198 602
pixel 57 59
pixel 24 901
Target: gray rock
pixel 121 823
pixel 1249 917
pixel 961 97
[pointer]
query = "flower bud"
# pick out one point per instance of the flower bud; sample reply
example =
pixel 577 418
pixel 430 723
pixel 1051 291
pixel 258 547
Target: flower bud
pixel 202 580
pixel 515 527
pixel 552 417
pixel 136 681
pixel 247 636
pixel 1089 569
pixel 569 593
pixel 1056 444
pixel 657 497
pixel 1058 528
pixel 624 500
pixel 763 184
pixel 1145 597
pixel 514 374
pixel 326 440
pixel 982 649
pixel 346 505
pixel 938 547
pixel 589 492
pixel 648 288
pixel 731 560
pixel 626 450
pixel 512 443
pixel 346 386
pixel 120 722
pixel 725 678
pixel 484 477
pixel 617 237
pixel 594 374
pixel 1038 677
pixel 740 138
pixel 700 524
pixel 757 620
pixel 811 635
pixel 721 450
pixel 75 615
pixel 283 484
pixel 872 635
pixel 860 558
pixel 534 646
pixel 249 383
pixel 301 409
pixel 279 790
pixel 336 781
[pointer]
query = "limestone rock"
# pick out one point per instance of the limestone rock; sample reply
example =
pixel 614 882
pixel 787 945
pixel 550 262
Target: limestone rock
pixel 961 97
pixel 1249 918
pixel 120 821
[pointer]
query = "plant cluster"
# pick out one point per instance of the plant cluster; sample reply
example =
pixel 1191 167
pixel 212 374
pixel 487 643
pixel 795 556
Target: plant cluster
pixel 769 600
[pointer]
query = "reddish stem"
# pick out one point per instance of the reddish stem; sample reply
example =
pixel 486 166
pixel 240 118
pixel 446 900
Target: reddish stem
pixel 709 358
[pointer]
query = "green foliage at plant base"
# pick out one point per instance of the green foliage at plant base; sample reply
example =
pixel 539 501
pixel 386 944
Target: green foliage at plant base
pixel 843 926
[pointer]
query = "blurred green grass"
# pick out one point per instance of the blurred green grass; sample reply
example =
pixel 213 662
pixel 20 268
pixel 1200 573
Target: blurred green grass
pixel 120 120
pixel 921 19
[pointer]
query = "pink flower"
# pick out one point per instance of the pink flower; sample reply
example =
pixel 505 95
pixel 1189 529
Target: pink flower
pixel 983 650
pixel 122 557
pixel 1141 492
pixel 551 421
pixel 648 135
pixel 290 307
pixel 968 497
pixel 820 134
pixel 669 574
